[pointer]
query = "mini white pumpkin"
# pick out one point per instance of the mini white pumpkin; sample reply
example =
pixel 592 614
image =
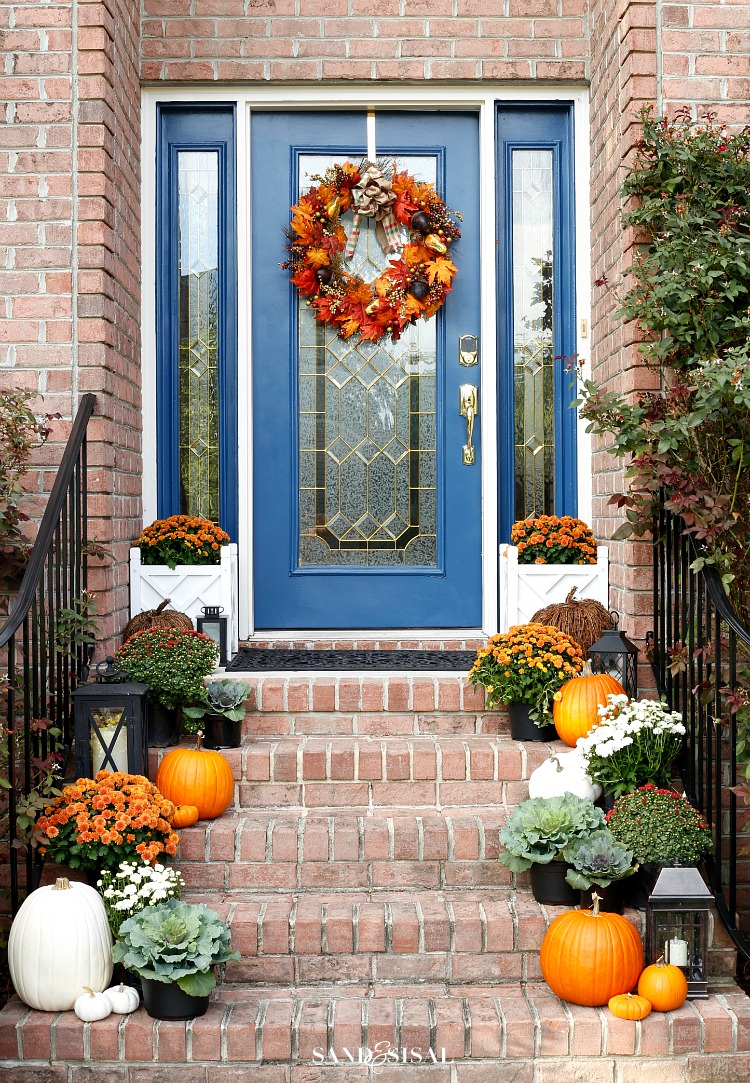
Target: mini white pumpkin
pixel 123 998
pixel 90 1006
pixel 563 773
pixel 59 944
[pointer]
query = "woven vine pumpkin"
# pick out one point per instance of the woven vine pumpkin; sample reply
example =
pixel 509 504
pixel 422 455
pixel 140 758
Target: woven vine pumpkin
pixel 588 957
pixel 664 985
pixel 197 776
pixel 575 709
pixel 584 620
pixel 185 816
pixel 628 1006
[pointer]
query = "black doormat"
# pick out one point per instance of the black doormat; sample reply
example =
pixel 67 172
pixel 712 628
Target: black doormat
pixel 257 659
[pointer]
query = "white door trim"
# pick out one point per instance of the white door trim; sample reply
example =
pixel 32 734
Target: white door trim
pixel 248 99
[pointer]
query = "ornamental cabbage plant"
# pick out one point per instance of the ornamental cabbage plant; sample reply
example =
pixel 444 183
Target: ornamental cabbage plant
pixel 635 743
pixel 541 828
pixel 175 942
pixel 597 861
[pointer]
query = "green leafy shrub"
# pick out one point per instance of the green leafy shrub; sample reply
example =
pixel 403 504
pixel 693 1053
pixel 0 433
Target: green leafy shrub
pixel 688 199
pixel 21 432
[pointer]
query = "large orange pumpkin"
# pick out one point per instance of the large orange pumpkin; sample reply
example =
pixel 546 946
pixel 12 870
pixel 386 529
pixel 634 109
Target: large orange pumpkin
pixel 664 985
pixel 588 957
pixel 196 776
pixel 575 709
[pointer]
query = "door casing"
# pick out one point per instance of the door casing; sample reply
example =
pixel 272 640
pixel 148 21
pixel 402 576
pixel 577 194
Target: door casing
pixel 484 101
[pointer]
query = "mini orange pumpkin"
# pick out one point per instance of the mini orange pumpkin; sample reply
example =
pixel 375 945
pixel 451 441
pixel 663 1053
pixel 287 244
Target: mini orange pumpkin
pixel 587 957
pixel 627 1006
pixel 664 985
pixel 185 816
pixel 197 776
pixel 575 709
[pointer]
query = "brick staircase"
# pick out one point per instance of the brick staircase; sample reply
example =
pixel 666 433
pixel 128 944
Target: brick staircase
pixel 358 868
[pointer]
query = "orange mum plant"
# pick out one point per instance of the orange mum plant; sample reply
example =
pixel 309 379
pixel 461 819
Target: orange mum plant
pixel 527 664
pixel 182 539
pixel 98 823
pixel 553 539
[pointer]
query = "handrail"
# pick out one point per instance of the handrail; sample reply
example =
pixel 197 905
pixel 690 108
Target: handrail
pixel 50 518
pixel 41 656
pixel 700 646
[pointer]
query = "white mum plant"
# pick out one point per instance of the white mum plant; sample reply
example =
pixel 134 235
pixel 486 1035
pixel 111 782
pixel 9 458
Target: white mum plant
pixel 634 743
pixel 136 886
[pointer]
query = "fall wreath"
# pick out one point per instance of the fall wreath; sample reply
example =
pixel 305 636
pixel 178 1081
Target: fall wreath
pixel 419 275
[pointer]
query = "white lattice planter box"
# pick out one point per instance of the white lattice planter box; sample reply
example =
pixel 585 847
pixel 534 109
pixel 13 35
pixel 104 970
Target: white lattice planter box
pixel 190 587
pixel 526 588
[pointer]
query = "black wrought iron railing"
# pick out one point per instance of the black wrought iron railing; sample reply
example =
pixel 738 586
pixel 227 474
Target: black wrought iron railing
pixel 702 664
pixel 41 658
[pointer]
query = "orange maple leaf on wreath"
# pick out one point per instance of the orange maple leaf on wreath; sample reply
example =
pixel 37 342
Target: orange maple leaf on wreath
pixel 441 270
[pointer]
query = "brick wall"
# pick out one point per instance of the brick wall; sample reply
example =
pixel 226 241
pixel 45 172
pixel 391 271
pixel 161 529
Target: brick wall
pixel 282 40
pixel 70 246
pixel 703 63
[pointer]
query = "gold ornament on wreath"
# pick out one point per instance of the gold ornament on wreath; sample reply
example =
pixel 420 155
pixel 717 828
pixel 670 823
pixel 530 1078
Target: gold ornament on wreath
pixel 419 275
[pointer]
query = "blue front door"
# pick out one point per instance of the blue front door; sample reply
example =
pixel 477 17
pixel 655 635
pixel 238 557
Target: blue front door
pixel 365 514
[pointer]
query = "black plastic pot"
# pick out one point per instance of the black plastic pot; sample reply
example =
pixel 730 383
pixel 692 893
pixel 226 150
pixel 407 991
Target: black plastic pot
pixel 639 886
pixel 221 732
pixel 523 728
pixel 163 725
pixel 612 899
pixel 548 884
pixel 164 1000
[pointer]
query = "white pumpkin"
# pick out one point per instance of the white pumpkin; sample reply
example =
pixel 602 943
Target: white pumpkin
pixel 90 1006
pixel 563 773
pixel 60 943
pixel 123 998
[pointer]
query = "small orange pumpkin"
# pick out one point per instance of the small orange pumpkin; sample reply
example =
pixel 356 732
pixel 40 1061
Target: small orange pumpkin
pixel 627 1006
pixel 664 985
pixel 575 709
pixel 185 816
pixel 587 957
pixel 197 776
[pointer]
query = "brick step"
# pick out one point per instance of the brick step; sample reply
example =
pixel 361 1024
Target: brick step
pixel 296 850
pixel 361 772
pixel 515 1031
pixel 352 693
pixel 462 936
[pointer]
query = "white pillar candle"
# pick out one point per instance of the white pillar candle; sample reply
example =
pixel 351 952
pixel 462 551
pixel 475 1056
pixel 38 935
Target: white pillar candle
pixel 118 752
pixel 677 952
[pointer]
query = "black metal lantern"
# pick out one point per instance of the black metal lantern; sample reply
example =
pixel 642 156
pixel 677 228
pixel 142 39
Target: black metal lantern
pixel 110 724
pixel 613 653
pixel 214 626
pixel 677 925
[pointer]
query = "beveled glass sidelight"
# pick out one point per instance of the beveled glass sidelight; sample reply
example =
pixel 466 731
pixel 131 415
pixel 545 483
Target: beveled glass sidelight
pixel 198 311
pixel 533 331
pixel 367 435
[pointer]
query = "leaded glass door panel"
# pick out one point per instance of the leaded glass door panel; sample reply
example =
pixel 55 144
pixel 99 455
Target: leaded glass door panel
pixel 365 515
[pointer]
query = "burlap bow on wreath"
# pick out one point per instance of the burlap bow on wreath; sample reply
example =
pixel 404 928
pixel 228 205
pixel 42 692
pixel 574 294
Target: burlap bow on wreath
pixel 374 198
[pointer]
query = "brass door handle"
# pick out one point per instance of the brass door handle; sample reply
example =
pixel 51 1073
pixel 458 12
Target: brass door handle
pixel 468 407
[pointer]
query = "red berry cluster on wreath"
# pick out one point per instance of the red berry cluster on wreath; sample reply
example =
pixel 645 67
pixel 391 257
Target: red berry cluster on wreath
pixel 413 286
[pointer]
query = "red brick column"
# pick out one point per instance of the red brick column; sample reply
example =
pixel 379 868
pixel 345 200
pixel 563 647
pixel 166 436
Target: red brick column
pixel 70 248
